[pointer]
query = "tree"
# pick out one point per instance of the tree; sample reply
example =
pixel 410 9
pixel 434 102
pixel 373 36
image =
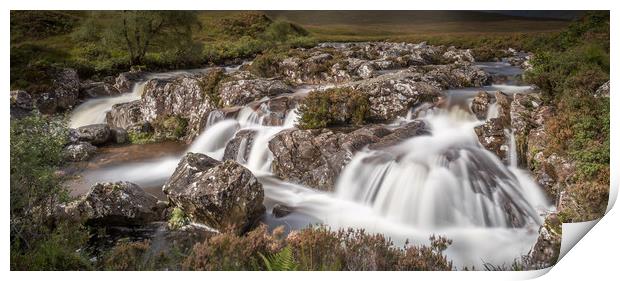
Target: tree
pixel 139 32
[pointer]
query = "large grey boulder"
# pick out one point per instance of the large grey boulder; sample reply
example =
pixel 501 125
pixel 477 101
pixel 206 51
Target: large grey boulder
pixel 222 195
pixel 115 204
pixel 125 81
pixel 96 134
pixel 316 157
pixel 125 115
pixel 245 88
pixel 98 89
pixel 480 105
pixel 392 95
pixel 62 95
pixel 493 137
pixel 80 151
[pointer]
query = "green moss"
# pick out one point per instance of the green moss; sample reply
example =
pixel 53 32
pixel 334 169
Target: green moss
pixel 141 138
pixel 336 106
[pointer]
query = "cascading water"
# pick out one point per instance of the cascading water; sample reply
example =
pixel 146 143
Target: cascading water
pixel 94 110
pixel 445 179
pixel 444 183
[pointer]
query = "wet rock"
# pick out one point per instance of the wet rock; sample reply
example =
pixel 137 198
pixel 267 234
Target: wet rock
pixel 603 90
pixel 546 251
pixel 238 148
pixel 97 89
pixel 96 134
pixel 125 81
pixel 221 195
pixel 115 204
pixel 125 115
pixel 400 134
pixel 316 157
pixel 480 105
pixel 250 88
pixel 119 135
pixel 521 111
pixel 503 108
pixel 80 151
pixel 280 211
pixel 492 136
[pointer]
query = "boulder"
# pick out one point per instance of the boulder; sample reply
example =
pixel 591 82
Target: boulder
pixel 492 136
pixel 280 211
pixel 98 89
pixel 119 135
pixel 316 157
pixel 21 99
pixel 63 93
pixel 96 134
pixel 238 148
pixel 244 89
pixel 66 88
pixel 21 104
pixel 125 115
pixel 454 55
pixel 80 151
pixel 125 81
pixel 449 76
pixel 222 195
pixel 503 108
pixel 480 105
pixel 393 94
pixel 183 97
pixel 546 251
pixel 115 204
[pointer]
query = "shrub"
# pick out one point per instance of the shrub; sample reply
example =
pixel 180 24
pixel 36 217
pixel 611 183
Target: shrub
pixel 59 249
pixel 314 248
pixel 266 64
pixel 281 31
pixel 227 251
pixel 335 106
pixel 127 256
pixel 209 84
pixel 178 219
pixel 37 241
pixel 40 24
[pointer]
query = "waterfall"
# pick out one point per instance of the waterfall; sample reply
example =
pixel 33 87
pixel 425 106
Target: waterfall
pixel 445 179
pixel 94 110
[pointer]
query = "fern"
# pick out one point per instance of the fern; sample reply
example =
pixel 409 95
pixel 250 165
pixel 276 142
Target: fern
pixel 280 261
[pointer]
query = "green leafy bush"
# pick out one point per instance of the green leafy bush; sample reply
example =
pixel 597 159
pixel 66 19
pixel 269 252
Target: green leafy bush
pixel 39 242
pixel 335 106
pixel 178 219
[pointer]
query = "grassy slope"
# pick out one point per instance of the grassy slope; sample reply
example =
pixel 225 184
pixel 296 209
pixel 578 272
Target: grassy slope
pixel 412 25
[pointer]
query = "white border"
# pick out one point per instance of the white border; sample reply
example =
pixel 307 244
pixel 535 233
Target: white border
pixel 594 257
